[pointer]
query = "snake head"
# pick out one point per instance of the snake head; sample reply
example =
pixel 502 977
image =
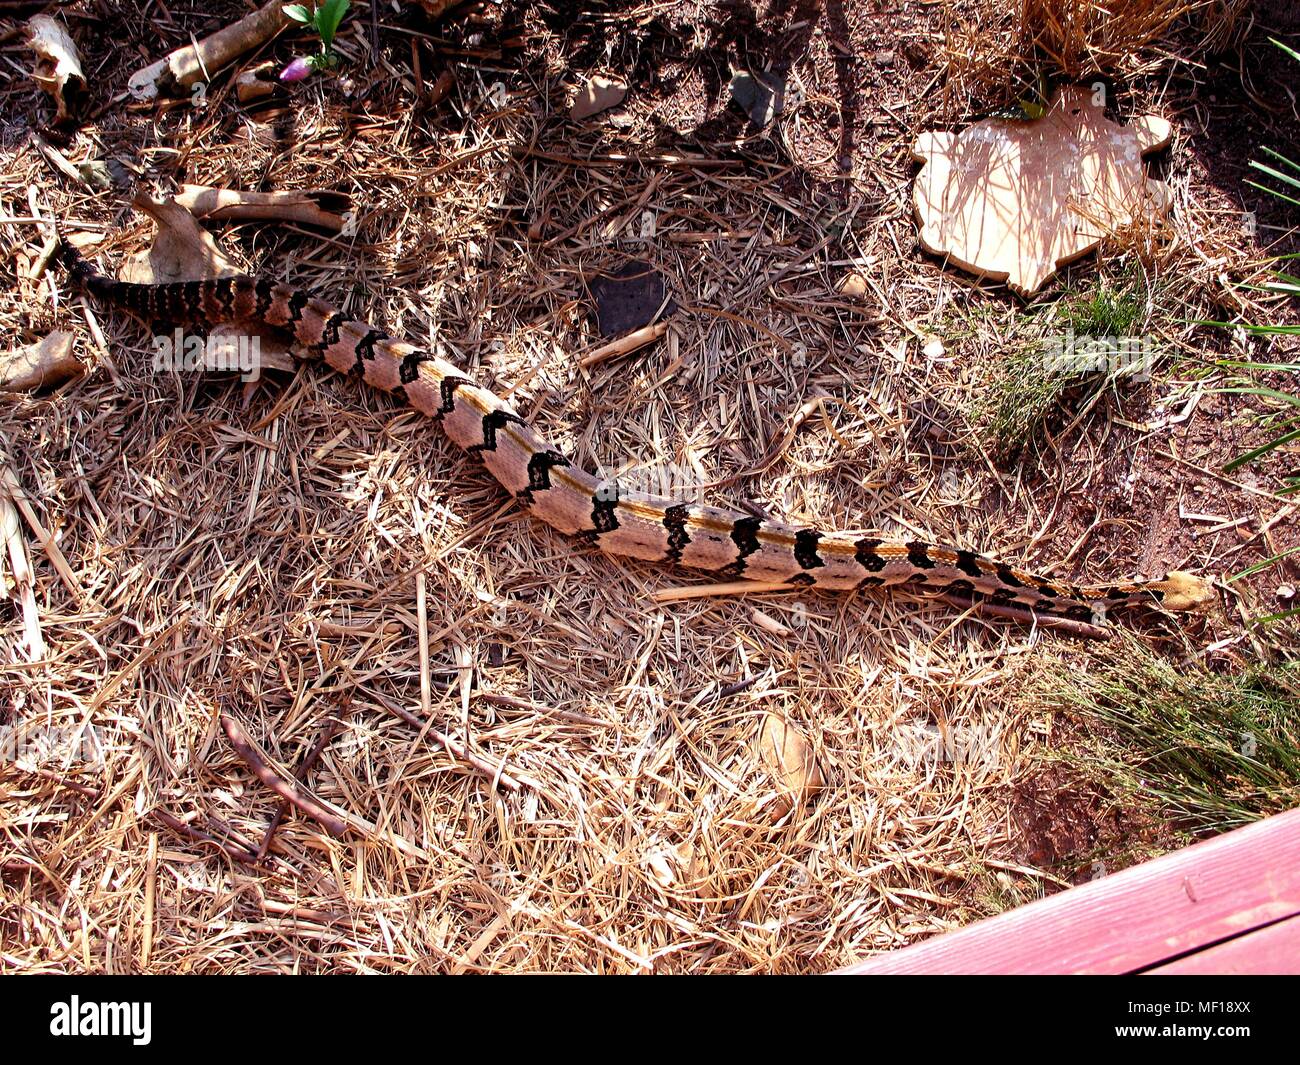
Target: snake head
pixel 1186 591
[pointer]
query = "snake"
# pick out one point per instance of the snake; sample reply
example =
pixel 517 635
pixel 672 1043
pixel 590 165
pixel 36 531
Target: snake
pixel 616 518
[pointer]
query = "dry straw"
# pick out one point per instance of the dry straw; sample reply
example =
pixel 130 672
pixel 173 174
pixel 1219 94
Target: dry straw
pixel 542 767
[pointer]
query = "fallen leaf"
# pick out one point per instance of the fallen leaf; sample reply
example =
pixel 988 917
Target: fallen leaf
pixel 853 284
pixel 598 94
pixel 786 755
pixel 182 250
pixel 58 66
pixel 256 82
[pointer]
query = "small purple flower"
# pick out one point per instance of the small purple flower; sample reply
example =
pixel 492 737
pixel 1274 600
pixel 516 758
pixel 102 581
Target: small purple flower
pixel 297 70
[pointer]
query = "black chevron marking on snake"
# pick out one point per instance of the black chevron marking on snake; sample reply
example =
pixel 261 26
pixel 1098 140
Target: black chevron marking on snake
pixel 805 548
pixel 865 554
pixel 410 368
pixel 297 304
pixel 493 421
pixel 918 555
pixel 539 474
pixel 264 291
pixel 1007 577
pixel 398 393
pixel 968 563
pixel 963 588
pixel 366 351
pixel 675 518
pixel 329 334
pixel 448 388
pixel 803 579
pixel 871 582
pixel 604 515
pixel 226 293
pixel 1003 597
pixel 744 534
pixel 192 297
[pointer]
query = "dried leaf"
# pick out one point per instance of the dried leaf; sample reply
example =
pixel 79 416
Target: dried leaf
pixel 598 94
pixel 58 66
pixel 182 249
pixel 786 755
pixel 853 284
pixel 760 96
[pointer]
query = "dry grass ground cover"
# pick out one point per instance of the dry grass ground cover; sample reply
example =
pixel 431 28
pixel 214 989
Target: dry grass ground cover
pixel 307 552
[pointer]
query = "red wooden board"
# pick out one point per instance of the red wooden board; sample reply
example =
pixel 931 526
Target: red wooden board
pixel 1133 920
pixel 1270 951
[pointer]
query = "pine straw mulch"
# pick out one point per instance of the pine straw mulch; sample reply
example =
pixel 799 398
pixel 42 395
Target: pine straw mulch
pixel 308 551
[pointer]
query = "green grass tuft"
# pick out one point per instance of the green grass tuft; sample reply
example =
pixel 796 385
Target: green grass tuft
pixel 1214 751
pixel 1024 389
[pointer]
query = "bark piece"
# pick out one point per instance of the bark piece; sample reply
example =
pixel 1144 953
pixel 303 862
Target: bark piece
pixel 45 364
pixel 177 73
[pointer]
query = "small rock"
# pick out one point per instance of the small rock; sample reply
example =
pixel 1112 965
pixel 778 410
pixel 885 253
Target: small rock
pixel 1286 591
pixel 599 94
pixel 933 349
pixel 629 298
pixel 761 97
pixel 884 58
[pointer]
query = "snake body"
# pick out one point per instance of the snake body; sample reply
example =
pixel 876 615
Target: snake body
pixel 616 520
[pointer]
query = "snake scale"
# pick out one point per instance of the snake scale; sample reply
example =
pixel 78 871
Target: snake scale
pixel 618 521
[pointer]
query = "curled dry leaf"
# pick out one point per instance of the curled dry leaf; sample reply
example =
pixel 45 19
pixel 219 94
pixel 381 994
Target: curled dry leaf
pixel 598 94
pixel 58 66
pixel 436 8
pixel 256 82
pixel 305 208
pixel 788 758
pixel 45 364
pixel 853 284
pixel 182 250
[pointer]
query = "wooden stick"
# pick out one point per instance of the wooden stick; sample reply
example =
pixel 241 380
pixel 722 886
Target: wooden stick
pixel 336 822
pixel 240 205
pixel 1026 615
pixel 313 756
pixel 150 895
pixel 290 790
pixel 639 338
pixel 175 73
pixel 244 857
